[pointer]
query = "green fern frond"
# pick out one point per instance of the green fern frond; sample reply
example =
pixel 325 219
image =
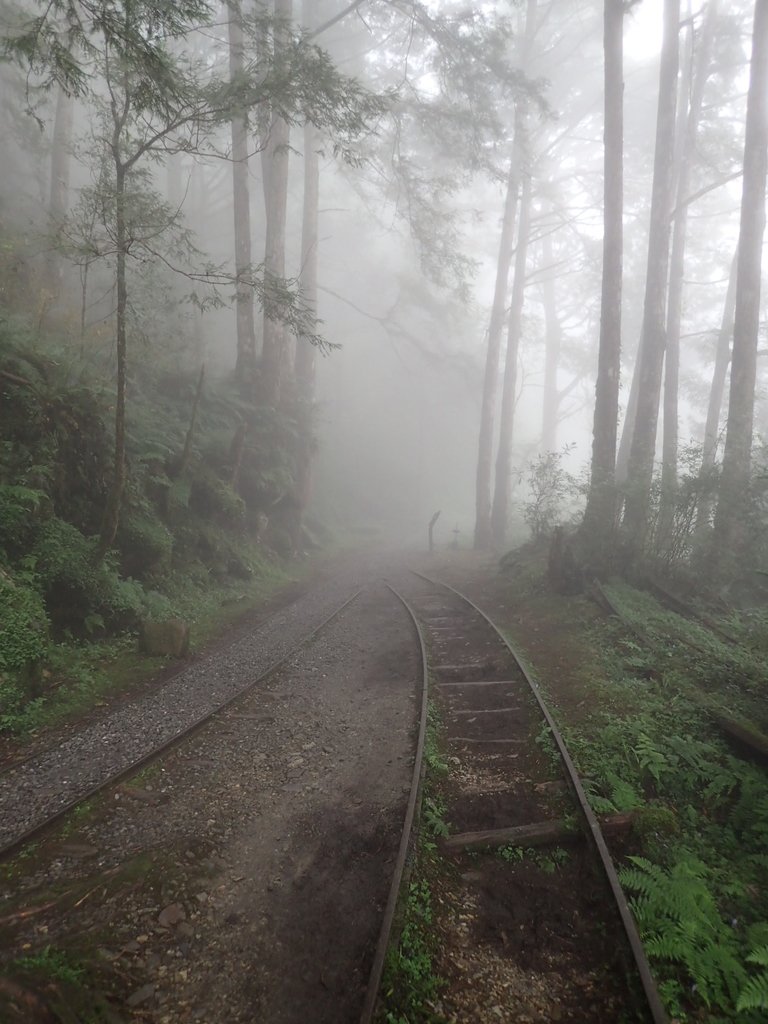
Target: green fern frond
pixel 754 995
pixel 759 956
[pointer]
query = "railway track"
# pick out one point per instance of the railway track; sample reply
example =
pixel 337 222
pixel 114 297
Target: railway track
pixel 37 794
pixel 500 787
pixel 500 779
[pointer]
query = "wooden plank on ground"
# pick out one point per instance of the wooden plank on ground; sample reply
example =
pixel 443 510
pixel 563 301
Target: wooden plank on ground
pixel 539 833
pixel 754 741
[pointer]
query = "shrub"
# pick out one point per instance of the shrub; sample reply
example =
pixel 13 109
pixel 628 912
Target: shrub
pixel 81 595
pixel 214 499
pixel 551 489
pixel 21 511
pixel 146 546
pixel 23 626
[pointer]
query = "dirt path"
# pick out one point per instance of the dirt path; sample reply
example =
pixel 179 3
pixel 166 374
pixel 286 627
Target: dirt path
pixel 244 879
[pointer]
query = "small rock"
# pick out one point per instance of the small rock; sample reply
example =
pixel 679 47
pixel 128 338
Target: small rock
pixel 164 639
pixel 141 995
pixel 78 850
pixel 171 915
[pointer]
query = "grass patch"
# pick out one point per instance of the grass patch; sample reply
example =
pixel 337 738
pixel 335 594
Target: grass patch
pixel 411 982
pixel 633 705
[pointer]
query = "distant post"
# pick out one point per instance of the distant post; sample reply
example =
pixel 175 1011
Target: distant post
pixel 432 522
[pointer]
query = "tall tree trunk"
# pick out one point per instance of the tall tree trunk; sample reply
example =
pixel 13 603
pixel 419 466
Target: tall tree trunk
pixel 114 501
pixel 652 341
pixel 501 491
pixel 58 202
pixel 241 207
pixel 174 186
pixel 677 265
pixel 731 531
pixel 720 372
pixel 600 513
pixel 552 340
pixel 483 530
pixel 492 356
pixel 275 164
pixel 304 367
pixel 715 404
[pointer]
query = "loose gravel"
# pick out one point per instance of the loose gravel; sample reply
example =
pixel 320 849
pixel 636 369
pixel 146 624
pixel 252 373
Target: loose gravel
pixel 46 783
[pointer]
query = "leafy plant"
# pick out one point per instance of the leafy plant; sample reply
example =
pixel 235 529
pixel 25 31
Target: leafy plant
pixel 54 963
pixel 410 983
pixel 680 925
pixel 23 625
pixel 550 487
pixel 754 994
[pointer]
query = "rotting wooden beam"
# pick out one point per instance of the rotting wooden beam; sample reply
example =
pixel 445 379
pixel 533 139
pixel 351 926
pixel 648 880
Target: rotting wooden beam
pixel 539 833
pixel 755 742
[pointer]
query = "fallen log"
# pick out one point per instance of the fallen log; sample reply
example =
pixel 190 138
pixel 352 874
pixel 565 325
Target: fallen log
pixel 755 742
pixel 539 833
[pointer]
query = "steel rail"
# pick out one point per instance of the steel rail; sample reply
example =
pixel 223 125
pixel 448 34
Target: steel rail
pixel 652 996
pixel 414 797
pixel 41 827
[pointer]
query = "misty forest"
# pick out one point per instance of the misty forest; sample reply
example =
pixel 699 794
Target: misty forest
pixel 296 298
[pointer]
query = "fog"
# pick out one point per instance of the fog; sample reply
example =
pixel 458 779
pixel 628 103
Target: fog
pixel 412 174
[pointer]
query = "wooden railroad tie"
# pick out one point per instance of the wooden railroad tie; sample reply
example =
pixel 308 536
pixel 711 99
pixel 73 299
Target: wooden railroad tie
pixel 480 682
pixel 540 833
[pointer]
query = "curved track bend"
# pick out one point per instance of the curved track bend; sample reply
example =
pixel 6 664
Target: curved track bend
pixel 481 681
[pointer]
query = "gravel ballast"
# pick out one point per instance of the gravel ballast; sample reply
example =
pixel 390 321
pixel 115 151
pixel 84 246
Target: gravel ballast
pixel 49 781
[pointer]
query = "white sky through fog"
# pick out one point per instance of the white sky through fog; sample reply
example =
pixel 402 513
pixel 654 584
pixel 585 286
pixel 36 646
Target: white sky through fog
pixel 642 30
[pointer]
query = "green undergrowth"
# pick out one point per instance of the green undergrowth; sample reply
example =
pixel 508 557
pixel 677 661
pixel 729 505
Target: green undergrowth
pixel 548 861
pixel 411 983
pixel 209 516
pixel 643 740
pixel 77 675
pixel 73 990
pixel 731 674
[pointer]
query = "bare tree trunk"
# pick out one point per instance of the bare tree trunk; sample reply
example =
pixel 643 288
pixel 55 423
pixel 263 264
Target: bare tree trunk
pixel 600 513
pixel 501 492
pixel 492 357
pixel 58 203
pixel 722 360
pixel 731 519
pixel 552 340
pixel 241 207
pixel 275 163
pixel 677 266
pixel 715 404
pixel 483 529
pixel 173 181
pixel 652 341
pixel 304 367
pixel 111 517
pixel 186 455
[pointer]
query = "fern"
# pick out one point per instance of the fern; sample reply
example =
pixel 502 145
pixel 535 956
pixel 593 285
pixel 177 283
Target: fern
pixel 650 758
pixel 680 924
pixel 754 995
